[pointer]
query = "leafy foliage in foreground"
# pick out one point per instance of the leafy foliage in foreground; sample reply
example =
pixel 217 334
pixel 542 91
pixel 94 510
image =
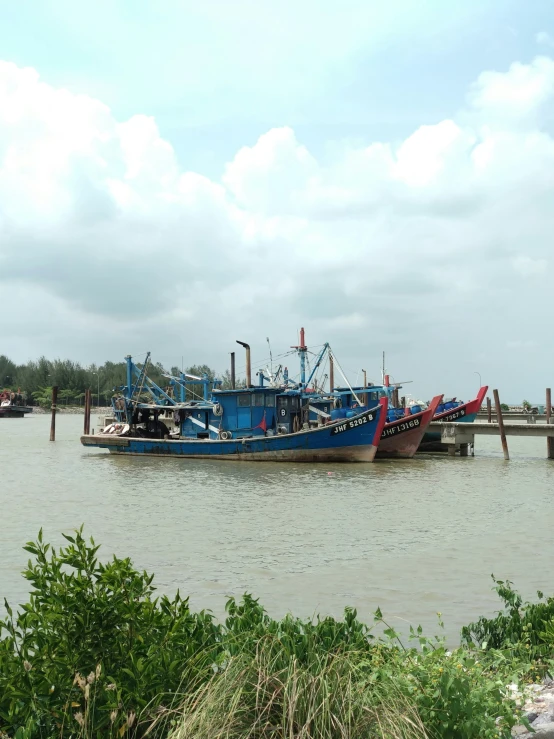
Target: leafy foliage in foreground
pixel 523 630
pixel 95 654
pixel 94 646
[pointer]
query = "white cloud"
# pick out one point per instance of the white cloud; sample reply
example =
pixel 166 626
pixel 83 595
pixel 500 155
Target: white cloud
pixel 261 177
pixel 410 245
pixel 516 98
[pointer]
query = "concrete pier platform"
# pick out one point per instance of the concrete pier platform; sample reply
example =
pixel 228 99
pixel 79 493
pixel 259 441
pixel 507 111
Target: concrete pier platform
pixel 459 437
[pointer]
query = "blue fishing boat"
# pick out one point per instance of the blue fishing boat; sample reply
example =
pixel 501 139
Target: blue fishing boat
pixel 266 422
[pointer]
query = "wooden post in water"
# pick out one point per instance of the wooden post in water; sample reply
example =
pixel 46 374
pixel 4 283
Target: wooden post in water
pixel 489 410
pixel 549 439
pixel 87 411
pixel 233 370
pixel 501 425
pixel 54 408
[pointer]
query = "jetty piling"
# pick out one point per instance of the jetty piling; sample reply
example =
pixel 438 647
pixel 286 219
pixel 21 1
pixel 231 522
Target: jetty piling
pixel 489 410
pixel 501 425
pixel 54 409
pixel 86 428
pixel 548 410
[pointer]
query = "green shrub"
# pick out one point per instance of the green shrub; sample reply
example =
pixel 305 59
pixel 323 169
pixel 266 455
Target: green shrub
pixel 93 647
pixel 523 631
pixel 95 654
pixel 456 695
pixel 247 623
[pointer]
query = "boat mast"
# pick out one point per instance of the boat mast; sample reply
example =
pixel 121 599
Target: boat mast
pixel 129 362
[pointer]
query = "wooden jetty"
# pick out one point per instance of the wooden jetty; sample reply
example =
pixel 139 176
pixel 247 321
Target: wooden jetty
pixel 460 437
pixel 510 416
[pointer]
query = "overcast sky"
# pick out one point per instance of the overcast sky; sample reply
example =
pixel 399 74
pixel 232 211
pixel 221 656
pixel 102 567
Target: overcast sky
pixel 177 175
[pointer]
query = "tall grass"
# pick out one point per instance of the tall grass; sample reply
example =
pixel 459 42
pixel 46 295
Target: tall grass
pixel 274 695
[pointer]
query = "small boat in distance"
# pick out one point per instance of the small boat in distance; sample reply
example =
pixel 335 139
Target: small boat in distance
pixel 12 405
pixel 264 422
pixel 449 412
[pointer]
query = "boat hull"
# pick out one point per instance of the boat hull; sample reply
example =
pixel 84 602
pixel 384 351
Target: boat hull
pixel 352 440
pixel 14 411
pixel 401 438
pixel 465 413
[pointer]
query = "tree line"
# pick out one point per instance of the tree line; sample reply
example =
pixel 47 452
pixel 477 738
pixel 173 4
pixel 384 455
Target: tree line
pixel 36 379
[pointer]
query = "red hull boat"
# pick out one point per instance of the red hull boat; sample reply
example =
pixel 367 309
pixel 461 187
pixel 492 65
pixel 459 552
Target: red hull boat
pixel 401 438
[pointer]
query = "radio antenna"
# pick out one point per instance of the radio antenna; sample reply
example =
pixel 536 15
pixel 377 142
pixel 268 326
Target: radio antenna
pixel 270 356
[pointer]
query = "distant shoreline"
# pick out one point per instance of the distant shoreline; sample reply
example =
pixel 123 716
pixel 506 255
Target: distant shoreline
pixel 74 410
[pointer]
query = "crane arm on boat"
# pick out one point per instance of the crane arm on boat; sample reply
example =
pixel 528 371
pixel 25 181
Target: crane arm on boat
pixel 332 354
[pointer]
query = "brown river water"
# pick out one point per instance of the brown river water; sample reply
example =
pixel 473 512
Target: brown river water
pixel 413 537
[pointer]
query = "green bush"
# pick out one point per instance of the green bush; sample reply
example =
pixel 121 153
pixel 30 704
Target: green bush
pixel 247 623
pixel 95 654
pixel 94 648
pixel 456 694
pixel 523 631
